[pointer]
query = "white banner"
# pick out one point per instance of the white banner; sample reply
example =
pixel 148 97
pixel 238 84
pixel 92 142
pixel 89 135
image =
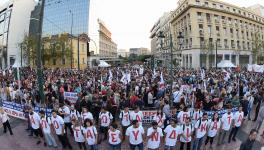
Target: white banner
pixel 72 97
pixel 15 113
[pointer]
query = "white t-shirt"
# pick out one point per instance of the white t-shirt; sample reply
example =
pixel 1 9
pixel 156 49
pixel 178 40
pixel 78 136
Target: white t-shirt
pixel 34 120
pixel 201 128
pixel 238 118
pixel 160 120
pixel 172 134
pixel 67 115
pixel 78 135
pixel 226 121
pixel 182 116
pixel 45 124
pixel 105 118
pixel 137 116
pixel 75 115
pixel 114 137
pixel 196 115
pixel 4 117
pixel 177 96
pixel 214 126
pixel 90 135
pixel 187 131
pixel 154 140
pixel 58 123
pixel 135 135
pixel 125 117
pixel 87 115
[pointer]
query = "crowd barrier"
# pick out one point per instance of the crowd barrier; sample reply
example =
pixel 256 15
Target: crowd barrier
pixel 16 110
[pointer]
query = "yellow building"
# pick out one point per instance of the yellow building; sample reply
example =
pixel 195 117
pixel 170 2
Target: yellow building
pixel 211 26
pixel 59 50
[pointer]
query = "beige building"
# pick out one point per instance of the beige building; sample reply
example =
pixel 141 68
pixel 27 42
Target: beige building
pixel 122 53
pixel 211 26
pixel 139 51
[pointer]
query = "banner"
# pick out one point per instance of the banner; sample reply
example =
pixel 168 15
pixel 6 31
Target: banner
pixel 255 68
pixel 72 97
pixel 17 110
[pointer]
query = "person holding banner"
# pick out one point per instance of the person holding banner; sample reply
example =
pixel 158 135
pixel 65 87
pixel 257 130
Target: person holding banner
pixel 5 121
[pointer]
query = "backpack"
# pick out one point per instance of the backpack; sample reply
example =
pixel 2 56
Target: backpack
pixel 200 122
pixel 122 115
pixel 184 127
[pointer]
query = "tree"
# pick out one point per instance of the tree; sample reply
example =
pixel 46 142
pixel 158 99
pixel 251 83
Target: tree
pixel 207 47
pixel 257 47
pixel 28 47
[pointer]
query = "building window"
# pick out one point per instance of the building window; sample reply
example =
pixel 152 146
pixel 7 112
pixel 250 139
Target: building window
pixel 225 31
pixel 54 61
pixel 209 30
pixel 233 44
pixel 234 10
pixel 214 5
pixel 226 43
pixel 206 4
pixel 221 6
pixel 83 60
pixel 208 17
pixel 199 15
pixel 200 26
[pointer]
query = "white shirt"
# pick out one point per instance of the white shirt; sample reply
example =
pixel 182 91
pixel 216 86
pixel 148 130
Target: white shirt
pixel 154 140
pixel 4 117
pixel 182 116
pixel 75 115
pixel 137 116
pixel 226 121
pixel 87 115
pixel 187 131
pixel 78 135
pixel 125 117
pixel 135 135
pixel 58 123
pixel 105 118
pixel 201 128
pixel 172 134
pixel 67 115
pixel 34 120
pixel 90 135
pixel 114 137
pixel 176 96
pixel 238 118
pixel 160 120
pixel 45 124
pixel 213 126
pixel 197 115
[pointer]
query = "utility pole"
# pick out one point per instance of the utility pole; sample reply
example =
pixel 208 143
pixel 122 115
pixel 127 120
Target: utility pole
pixel 171 65
pixel 78 42
pixel 39 59
pixel 216 54
pixel 71 39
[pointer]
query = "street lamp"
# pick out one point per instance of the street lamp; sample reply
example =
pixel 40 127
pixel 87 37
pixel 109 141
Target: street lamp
pixel 71 38
pixel 180 38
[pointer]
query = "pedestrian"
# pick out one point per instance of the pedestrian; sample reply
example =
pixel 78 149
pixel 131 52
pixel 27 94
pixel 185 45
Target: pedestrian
pixel 78 134
pixel 260 118
pixel 213 128
pixel 226 121
pixel 66 113
pixel 135 135
pixel 187 132
pixel 5 121
pixel 86 114
pixel 114 137
pixel 172 132
pixel 137 115
pixel 183 114
pixel 74 114
pixel 248 144
pixel 59 127
pixel 196 114
pixel 262 141
pixel 238 120
pixel 105 119
pixel 250 104
pixel 154 136
pixel 201 128
pixel 45 123
pixel 125 121
pixel 35 125
pixel 159 118
pixel 90 134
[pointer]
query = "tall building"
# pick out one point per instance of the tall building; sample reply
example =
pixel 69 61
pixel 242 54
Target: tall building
pixel 258 9
pixel 68 19
pixel 215 31
pixel 14 24
pixel 122 53
pixel 139 51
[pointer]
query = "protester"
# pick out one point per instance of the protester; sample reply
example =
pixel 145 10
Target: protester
pixel 226 120
pixel 137 115
pixel 238 120
pixel 114 137
pixel 135 135
pixel 90 134
pixel 159 118
pixel 125 121
pixel 248 144
pixel 5 121
pixel 172 132
pixel 201 128
pixel 213 128
pixel 260 118
pixel 35 125
pixel 78 134
pixel 154 136
pixel 105 119
pixel 187 132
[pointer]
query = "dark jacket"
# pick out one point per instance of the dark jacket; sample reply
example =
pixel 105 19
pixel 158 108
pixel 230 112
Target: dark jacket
pixel 247 145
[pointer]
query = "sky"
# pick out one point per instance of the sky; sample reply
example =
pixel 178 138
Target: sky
pixel 130 21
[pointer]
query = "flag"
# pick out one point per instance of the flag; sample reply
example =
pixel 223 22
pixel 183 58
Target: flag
pixel 161 84
pixel 202 74
pixel 141 71
pixel 154 73
pixel 110 76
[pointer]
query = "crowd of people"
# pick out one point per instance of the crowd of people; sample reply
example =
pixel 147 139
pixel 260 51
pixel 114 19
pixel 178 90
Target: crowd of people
pixel 192 106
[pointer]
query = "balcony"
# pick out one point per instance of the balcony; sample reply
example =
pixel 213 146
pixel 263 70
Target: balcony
pixel 217 21
pixel 232 36
pixel 218 34
pixel 226 46
pixel 238 47
pixel 200 20
pixel 209 21
pixel 201 33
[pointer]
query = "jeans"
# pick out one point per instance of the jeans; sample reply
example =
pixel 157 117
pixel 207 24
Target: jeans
pixel 133 147
pixel 94 147
pixel 7 125
pixel 82 145
pixel 188 145
pixel 221 137
pixel 64 141
pixel 169 147
pixel 50 139
pixel 197 144
pixel 211 139
pixel 233 133
pixel 115 147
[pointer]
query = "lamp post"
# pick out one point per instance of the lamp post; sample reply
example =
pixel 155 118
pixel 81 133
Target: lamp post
pixel 180 38
pixel 39 59
pixel 216 45
pixel 71 38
